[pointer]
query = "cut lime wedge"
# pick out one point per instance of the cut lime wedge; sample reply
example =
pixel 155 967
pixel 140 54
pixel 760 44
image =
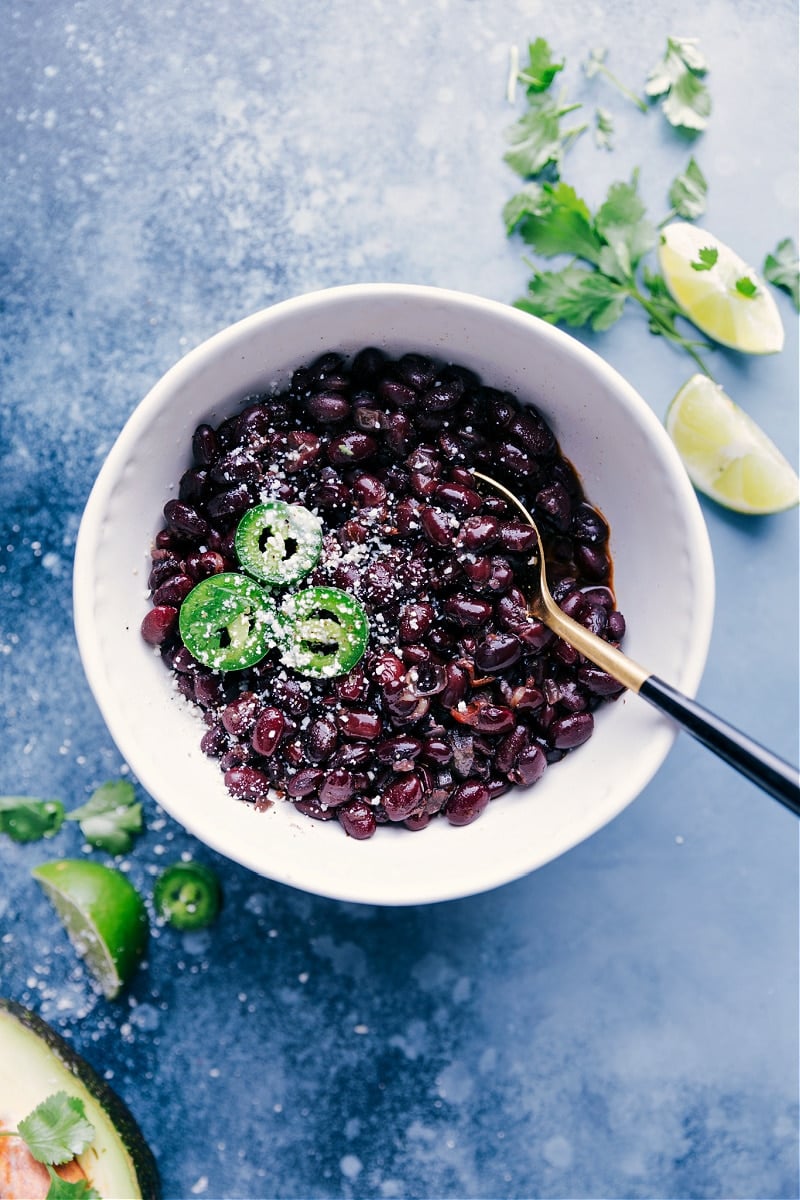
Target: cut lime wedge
pixel 718 291
pixel 726 454
pixel 103 914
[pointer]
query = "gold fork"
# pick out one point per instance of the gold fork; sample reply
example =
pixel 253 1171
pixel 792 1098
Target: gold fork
pixel 767 770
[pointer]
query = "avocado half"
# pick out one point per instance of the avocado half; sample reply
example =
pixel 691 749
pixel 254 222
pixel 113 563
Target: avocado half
pixel 35 1061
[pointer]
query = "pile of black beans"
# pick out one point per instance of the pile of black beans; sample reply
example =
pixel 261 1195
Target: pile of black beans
pixel 460 695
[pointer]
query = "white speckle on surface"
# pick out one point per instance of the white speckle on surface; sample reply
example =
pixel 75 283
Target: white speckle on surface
pixel 455 1083
pixel 145 1017
pixel 351 1166
pixel 557 1152
pixel 256 903
pixel 53 563
pixel 197 942
pixel 200 1186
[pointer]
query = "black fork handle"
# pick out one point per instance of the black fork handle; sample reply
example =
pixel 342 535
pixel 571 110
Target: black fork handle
pixel 761 766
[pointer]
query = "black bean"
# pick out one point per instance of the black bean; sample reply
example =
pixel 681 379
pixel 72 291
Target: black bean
pixel 159 623
pixel 572 730
pixel 416 370
pixel 468 611
pixel 467 802
pixel 268 731
pixel 247 783
pixel 185 520
pixel 205 445
pixel 357 819
pixel 328 407
pixel 396 394
pixel 402 796
pixel 497 652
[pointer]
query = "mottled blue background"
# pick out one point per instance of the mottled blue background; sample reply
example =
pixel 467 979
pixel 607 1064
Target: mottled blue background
pixel 622 1023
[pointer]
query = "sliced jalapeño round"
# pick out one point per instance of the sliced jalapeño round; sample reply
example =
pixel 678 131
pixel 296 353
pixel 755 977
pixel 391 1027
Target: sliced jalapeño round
pixel 278 543
pixel 326 632
pixel 228 622
pixel 187 895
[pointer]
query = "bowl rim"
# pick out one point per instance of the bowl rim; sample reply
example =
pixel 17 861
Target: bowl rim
pixel 91 526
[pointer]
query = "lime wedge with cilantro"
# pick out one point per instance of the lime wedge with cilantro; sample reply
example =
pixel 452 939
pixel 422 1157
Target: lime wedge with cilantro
pixel 103 914
pixel 728 456
pixel 718 291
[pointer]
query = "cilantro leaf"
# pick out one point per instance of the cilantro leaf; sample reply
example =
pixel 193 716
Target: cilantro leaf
pixel 110 819
pixel 622 222
pixel 681 55
pixel 687 193
pixel 706 258
pixel 688 105
pixel 676 79
pixel 57 1129
pixel 540 70
pixel 527 202
pixel 26 819
pixel 62 1189
pixel 537 140
pixel 603 129
pixel 561 224
pixel 576 296
pixel 746 287
pixel 782 268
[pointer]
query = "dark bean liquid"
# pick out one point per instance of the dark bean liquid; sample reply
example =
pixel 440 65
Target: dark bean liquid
pixel 460 695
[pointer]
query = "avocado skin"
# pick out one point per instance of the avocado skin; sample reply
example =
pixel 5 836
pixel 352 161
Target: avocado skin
pixel 117 1111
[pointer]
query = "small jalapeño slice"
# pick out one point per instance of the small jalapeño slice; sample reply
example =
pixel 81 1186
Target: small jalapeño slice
pixel 278 543
pixel 187 895
pixel 228 622
pixel 327 632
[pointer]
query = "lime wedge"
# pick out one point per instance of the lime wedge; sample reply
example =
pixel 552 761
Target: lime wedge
pixel 103 914
pixel 726 454
pixel 720 294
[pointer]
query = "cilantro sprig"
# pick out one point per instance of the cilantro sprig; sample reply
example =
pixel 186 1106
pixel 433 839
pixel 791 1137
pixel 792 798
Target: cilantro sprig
pixel 677 81
pixel 687 194
pixel 607 250
pixel 596 65
pixel 110 819
pixel 55 1132
pixel 541 68
pixel 603 129
pixel 537 140
pixel 27 819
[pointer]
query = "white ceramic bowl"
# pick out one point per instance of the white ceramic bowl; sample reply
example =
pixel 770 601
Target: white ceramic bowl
pixel 662 570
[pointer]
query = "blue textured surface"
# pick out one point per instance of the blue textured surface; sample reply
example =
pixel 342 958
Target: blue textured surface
pixel 622 1023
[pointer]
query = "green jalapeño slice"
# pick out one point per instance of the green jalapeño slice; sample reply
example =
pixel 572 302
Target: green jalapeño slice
pixel 327 632
pixel 228 622
pixel 278 543
pixel 187 895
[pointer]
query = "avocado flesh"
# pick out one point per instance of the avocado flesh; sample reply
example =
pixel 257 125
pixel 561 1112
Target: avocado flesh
pixel 35 1062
